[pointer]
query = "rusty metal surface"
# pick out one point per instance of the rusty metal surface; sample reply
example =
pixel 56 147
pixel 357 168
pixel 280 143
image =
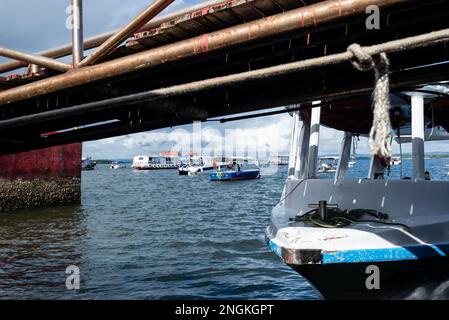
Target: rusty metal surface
pixel 207 17
pixel 111 43
pixel 212 18
pixel 305 43
pixel 244 34
pixel 95 41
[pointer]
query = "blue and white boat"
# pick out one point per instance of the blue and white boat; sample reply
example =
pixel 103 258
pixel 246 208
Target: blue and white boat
pixel 371 237
pixel 237 169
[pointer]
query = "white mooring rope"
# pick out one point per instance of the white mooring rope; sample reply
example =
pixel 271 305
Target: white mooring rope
pixel 380 131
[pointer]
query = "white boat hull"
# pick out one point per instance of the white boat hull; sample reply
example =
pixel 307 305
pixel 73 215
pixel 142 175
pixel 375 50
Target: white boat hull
pixel 336 260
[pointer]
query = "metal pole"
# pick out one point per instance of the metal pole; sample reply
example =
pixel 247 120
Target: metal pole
pixel 345 154
pixel 418 137
pixel 266 28
pixel 97 40
pixel 33 59
pixel 109 45
pixel 314 140
pixel 303 151
pixel 293 145
pixel 77 32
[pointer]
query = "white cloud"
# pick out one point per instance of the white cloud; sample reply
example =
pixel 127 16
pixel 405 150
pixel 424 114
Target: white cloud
pixel 264 136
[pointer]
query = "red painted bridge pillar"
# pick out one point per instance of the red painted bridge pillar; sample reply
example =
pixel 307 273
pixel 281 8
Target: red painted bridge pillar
pixel 41 178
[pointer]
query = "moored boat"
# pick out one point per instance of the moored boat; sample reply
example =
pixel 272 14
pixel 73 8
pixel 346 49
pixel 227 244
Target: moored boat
pixel 237 169
pixel 87 164
pixel 365 238
pixel 164 161
pixel 352 162
pixel 281 160
pixel 328 165
pixel 116 165
pixel 194 165
pixel 396 161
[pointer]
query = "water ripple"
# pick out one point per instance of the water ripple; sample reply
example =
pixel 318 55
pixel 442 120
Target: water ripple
pixel 150 235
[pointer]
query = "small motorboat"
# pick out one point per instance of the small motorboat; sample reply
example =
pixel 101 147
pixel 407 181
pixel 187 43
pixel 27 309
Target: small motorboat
pixel 328 165
pixel 116 165
pixel 87 164
pixel 282 160
pixel 352 162
pixel 237 169
pixel 195 165
pixel 396 161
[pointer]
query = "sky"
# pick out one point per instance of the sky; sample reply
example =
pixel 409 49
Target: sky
pixel 32 26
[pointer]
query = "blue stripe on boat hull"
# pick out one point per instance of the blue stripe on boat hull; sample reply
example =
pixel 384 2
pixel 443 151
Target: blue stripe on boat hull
pixel 343 275
pixel 417 252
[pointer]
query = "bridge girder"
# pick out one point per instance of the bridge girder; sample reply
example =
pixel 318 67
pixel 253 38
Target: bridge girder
pixel 322 84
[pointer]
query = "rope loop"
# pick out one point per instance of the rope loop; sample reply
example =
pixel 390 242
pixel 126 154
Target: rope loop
pixel 381 129
pixel 361 60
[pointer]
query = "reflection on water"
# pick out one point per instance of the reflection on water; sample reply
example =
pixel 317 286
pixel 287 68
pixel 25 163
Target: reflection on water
pixel 431 291
pixel 155 235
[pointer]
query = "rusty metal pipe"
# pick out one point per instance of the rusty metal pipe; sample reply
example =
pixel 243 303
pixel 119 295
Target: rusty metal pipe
pixel 158 97
pixel 138 22
pixel 34 59
pixel 265 28
pixel 97 40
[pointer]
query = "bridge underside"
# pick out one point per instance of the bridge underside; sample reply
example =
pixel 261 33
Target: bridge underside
pixel 340 85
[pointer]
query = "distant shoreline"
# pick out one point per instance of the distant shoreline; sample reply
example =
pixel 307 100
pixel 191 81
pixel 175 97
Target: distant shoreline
pixel 362 156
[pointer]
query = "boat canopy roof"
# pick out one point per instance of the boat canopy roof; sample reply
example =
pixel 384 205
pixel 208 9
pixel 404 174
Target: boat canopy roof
pixel 156 156
pixel 236 159
pixel 355 115
pixel 329 158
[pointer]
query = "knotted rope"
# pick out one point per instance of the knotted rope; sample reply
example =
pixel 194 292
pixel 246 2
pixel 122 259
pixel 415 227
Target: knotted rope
pixel 380 131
